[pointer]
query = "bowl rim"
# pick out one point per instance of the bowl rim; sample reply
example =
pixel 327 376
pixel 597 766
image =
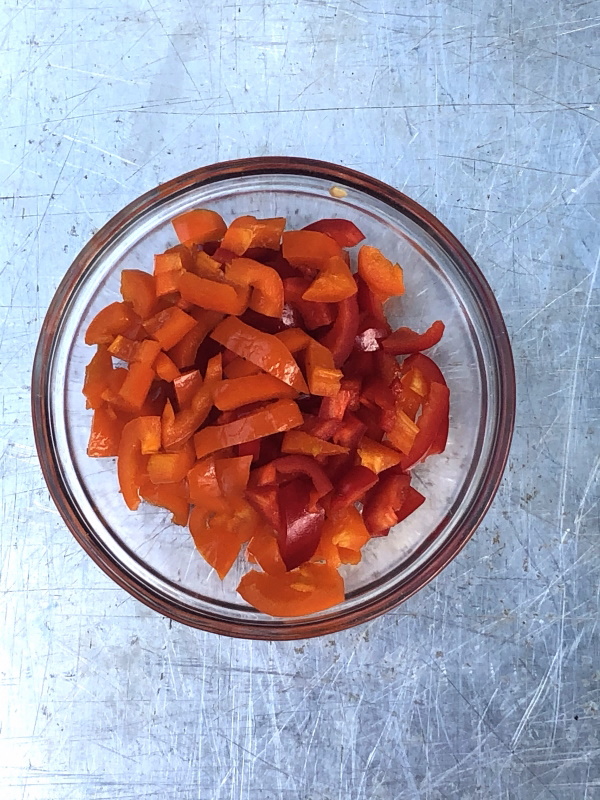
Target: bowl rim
pixel 339 620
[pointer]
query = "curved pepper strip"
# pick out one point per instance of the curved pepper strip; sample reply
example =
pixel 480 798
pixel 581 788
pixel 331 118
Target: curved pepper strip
pixel 114 319
pixel 384 502
pixel 263 349
pixel 279 416
pixel 340 338
pixel 245 232
pixel 404 340
pixel 342 231
pixel 267 287
pixel 314 314
pixel 305 590
pixel 97 378
pixel 433 420
pixel 213 295
pixel 301 522
pixel 178 427
pixel 308 466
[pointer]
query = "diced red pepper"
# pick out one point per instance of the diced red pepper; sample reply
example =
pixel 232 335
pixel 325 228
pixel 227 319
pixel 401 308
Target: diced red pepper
pixel 352 487
pixel 384 502
pixel 342 231
pixel 346 399
pixel 404 340
pixel 433 420
pixel 314 314
pixel 305 465
pixel 340 338
pixel 350 432
pixel 301 522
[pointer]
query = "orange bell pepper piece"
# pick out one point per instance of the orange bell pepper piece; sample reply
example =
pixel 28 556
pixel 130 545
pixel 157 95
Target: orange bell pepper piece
pixel 113 319
pixel 204 487
pixel 323 377
pixel 310 249
pixel 140 438
pixel 136 386
pixel 335 282
pixel 171 467
pixel 404 431
pixel 238 392
pixel 212 295
pixel 186 387
pixel 169 326
pixel 199 226
pixel 381 276
pixel 165 368
pixel 168 269
pixel 307 444
pixel 245 232
pixel 171 496
pixel 267 287
pixel 214 369
pixel 263 550
pixel 219 536
pixel 114 380
pixel 139 290
pixel 206 267
pixel 263 349
pixel 96 377
pixel 105 432
pixel 275 418
pixel 304 590
pixel 342 538
pixel 240 368
pixel 123 348
pixel 184 352
pixel 232 474
pixel 178 427
pixel 376 456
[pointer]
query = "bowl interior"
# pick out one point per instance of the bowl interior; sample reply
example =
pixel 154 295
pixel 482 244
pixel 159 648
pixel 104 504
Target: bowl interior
pixel 144 545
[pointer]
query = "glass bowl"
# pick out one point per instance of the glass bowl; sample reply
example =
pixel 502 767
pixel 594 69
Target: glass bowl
pixel 156 561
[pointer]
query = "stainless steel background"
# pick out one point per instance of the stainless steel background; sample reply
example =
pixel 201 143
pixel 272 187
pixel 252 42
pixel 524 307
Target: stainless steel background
pixel 486 684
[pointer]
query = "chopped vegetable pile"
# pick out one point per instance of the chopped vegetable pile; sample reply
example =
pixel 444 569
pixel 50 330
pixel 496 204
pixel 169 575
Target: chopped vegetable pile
pixel 257 395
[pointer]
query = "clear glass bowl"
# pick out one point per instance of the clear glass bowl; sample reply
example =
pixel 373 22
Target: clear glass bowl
pixel 156 561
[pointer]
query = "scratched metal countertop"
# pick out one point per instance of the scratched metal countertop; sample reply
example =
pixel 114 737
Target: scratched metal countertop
pixel 487 683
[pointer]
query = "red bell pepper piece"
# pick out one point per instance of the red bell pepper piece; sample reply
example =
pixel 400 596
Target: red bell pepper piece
pixel 384 502
pixel 404 340
pixel 262 349
pixel 370 306
pixel 432 423
pixel 300 529
pixel 251 449
pixel 426 366
pixel 321 428
pixel 342 231
pixel 413 500
pixel 304 465
pixel 340 338
pixel 350 432
pixel 352 487
pixel 314 314
pixel 265 500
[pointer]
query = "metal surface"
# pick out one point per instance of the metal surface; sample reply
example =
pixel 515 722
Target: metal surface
pixel 487 683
